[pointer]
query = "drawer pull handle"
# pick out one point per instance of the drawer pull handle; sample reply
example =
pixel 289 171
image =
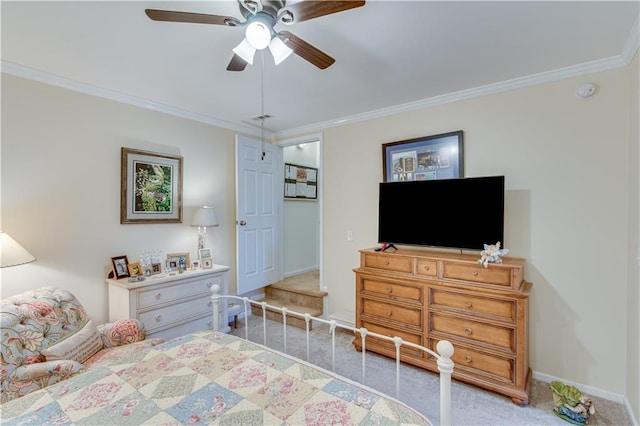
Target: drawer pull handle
pixel 474 273
pixel 209 284
pixel 468 305
pixel 389 290
pixel 386 263
pixel 158 318
pixel 468 359
pixel 426 268
pixel 468 331
pixel 389 313
pixel 210 324
pixel 158 296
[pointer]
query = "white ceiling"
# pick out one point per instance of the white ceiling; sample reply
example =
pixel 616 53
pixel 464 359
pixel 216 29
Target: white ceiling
pixel 390 56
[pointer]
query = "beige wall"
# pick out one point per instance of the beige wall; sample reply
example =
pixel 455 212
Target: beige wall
pixel 569 196
pixel 61 186
pixel 567 182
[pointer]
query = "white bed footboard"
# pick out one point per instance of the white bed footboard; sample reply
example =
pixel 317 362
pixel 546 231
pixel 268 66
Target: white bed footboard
pixel 443 354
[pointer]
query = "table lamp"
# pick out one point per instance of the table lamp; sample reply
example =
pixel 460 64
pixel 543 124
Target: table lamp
pixel 13 254
pixel 204 217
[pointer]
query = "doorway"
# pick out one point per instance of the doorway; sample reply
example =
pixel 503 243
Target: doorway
pixel 302 219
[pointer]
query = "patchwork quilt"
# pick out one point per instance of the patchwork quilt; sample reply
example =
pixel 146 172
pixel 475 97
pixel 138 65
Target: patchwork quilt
pixel 208 378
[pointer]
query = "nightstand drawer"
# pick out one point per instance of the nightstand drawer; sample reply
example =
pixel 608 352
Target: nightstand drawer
pixel 175 291
pixel 391 290
pixel 389 263
pixel 480 363
pixel 468 303
pixel 475 331
pixel 169 315
pixel 392 312
pixel 495 275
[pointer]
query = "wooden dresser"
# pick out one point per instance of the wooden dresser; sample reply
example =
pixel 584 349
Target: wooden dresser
pixel 427 296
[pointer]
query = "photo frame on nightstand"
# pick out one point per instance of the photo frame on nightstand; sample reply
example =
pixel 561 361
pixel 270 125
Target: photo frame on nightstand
pixel 207 263
pixel 120 266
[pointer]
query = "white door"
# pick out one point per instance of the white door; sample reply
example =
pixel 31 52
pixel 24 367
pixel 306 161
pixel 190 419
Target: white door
pixel 259 198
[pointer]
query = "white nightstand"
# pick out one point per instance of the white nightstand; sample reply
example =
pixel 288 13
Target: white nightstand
pixel 171 305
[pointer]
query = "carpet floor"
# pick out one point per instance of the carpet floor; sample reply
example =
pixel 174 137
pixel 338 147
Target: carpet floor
pixel 419 388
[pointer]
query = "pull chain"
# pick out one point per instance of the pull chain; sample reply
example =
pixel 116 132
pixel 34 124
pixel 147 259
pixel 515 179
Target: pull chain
pixel 262 105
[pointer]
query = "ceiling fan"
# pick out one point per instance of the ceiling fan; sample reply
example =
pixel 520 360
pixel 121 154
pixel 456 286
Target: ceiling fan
pixel 260 18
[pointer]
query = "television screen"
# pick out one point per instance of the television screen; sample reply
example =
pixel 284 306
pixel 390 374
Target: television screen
pixel 463 213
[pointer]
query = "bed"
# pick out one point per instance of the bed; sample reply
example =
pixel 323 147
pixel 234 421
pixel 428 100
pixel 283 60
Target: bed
pixel 210 377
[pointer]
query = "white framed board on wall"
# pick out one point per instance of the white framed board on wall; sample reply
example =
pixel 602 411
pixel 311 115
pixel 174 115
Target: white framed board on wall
pixel 300 182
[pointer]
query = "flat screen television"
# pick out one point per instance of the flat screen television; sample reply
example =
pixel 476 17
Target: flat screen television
pixel 462 213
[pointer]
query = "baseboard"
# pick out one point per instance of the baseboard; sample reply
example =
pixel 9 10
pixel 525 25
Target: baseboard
pixel 593 391
pixel 299 271
pixel 345 318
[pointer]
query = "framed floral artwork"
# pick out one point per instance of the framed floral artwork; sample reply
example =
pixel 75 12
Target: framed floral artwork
pixel 151 187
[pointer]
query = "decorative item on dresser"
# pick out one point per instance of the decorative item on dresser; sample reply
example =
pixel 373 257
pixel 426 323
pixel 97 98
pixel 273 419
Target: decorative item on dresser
pixel 427 296
pixel 170 305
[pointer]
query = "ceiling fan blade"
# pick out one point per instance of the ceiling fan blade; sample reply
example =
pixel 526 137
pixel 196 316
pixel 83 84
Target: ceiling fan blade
pixel 195 18
pixel 236 64
pixel 306 51
pixel 305 10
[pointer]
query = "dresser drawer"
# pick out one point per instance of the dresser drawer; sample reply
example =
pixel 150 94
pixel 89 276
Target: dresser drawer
pixel 389 263
pixel 497 368
pixel 495 275
pixel 390 332
pixel 392 312
pixel 182 289
pixel 475 331
pixel 472 304
pixel 169 315
pixel 427 268
pixel 391 290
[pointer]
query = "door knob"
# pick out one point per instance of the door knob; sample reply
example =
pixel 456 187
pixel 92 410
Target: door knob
pixel 242 223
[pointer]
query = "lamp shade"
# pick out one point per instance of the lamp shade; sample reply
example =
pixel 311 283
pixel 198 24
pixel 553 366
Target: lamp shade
pixel 245 50
pixel 205 216
pixel 13 254
pixel 279 50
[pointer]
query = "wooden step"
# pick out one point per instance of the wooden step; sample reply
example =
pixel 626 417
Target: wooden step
pixel 293 320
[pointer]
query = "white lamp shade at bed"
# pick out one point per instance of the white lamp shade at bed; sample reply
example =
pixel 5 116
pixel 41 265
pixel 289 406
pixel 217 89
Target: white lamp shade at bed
pixel 13 254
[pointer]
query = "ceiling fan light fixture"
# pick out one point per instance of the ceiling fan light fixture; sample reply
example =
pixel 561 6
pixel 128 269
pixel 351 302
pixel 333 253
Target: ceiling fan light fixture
pixel 279 50
pixel 258 34
pixel 245 50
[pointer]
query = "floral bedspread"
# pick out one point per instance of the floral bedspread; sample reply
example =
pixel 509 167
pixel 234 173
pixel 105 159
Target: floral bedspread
pixel 205 378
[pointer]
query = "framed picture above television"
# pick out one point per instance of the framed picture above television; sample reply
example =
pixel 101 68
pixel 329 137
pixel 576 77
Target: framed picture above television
pixel 425 158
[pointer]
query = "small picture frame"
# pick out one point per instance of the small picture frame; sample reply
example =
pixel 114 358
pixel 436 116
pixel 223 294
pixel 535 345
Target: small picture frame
pixel 195 264
pixel 207 263
pixel 120 266
pixel 178 261
pixel 205 253
pixel 135 270
pixel 156 268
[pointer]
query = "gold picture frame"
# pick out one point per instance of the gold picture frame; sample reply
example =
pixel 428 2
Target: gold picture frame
pixel 151 187
pixel 180 260
pixel 135 270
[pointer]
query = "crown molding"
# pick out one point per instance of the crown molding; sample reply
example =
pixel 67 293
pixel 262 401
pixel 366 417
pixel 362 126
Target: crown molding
pixel 629 50
pixel 29 73
pixel 624 59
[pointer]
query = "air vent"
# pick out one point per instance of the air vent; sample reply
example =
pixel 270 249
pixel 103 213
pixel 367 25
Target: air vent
pixel 261 117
